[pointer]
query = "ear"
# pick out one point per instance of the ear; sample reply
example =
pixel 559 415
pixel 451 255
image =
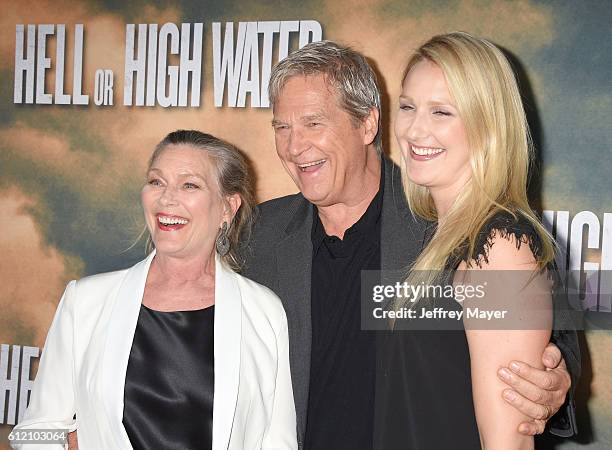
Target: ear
pixel 232 203
pixel 370 126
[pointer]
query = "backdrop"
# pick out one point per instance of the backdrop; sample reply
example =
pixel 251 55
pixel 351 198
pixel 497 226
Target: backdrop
pixel 88 88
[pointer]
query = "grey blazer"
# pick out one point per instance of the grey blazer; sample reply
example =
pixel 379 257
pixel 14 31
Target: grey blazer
pixel 280 257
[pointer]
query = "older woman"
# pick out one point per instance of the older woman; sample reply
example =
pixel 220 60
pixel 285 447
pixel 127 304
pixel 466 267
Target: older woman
pixel 465 144
pixel 177 351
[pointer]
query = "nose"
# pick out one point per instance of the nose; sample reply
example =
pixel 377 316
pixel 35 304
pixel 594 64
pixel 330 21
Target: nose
pixel 417 127
pixel 297 142
pixel 168 196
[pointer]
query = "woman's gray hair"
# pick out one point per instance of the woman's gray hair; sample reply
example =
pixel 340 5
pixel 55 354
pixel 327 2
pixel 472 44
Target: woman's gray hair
pixel 346 70
pixel 233 177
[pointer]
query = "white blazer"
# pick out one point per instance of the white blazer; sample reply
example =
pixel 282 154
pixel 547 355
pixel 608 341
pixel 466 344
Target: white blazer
pixel 84 362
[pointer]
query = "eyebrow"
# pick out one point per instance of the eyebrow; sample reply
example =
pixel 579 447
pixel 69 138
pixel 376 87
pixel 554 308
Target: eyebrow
pixel 315 116
pixel 306 118
pixel 431 102
pixel 181 175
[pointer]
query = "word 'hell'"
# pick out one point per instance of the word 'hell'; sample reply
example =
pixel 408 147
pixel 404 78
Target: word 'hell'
pixel 31 59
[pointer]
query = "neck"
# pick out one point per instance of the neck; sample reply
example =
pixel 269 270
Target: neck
pixel 339 217
pixel 184 269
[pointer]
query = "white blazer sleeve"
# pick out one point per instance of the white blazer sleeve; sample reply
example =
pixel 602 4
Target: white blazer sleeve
pixel 282 432
pixel 52 400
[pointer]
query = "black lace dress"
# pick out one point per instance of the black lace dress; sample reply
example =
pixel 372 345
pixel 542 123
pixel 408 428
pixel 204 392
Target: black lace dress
pixel 424 390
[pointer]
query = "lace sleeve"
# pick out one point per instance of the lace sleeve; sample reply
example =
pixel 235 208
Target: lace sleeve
pixel 506 226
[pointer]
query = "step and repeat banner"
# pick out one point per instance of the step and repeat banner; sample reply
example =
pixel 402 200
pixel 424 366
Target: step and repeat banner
pixel 89 87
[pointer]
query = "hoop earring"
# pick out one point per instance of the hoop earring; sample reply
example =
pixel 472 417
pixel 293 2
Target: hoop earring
pixel 222 243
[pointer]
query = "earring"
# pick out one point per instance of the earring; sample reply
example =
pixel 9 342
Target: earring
pixel 222 244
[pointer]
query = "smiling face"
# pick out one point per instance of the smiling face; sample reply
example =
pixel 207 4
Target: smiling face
pixel 318 142
pixel 430 133
pixel 182 204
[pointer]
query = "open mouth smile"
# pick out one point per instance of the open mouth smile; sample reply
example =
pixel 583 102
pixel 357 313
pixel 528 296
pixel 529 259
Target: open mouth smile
pixel 425 153
pixel 311 166
pixel 170 223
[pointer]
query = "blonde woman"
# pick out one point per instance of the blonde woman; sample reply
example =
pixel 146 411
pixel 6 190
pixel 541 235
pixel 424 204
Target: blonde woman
pixel 466 150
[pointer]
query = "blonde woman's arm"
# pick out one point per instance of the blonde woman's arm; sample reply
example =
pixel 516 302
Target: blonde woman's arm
pixel 52 400
pixel 513 285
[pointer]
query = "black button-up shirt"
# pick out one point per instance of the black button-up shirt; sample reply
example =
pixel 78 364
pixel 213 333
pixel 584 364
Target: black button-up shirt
pixel 343 357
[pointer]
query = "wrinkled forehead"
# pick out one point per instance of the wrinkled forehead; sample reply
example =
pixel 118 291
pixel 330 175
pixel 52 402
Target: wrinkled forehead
pixel 188 154
pixel 301 90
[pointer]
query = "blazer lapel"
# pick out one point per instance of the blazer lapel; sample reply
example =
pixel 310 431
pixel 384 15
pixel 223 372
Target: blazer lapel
pixel 294 264
pixel 228 336
pixel 401 233
pixel 121 329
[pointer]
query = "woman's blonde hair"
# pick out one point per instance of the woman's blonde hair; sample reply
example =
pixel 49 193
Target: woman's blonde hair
pixel 486 94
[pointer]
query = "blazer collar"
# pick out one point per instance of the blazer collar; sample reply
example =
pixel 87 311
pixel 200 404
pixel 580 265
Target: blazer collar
pixel 227 338
pixel 402 233
pixel 294 264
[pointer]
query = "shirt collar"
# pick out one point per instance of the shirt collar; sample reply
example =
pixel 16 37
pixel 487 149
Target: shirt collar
pixel 366 222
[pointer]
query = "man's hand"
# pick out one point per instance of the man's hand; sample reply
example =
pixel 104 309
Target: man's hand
pixel 72 441
pixel 537 393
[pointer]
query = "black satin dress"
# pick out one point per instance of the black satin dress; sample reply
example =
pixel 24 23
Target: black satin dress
pixel 169 385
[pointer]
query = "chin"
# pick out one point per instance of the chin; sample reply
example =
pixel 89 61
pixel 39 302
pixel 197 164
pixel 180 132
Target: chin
pixel 315 199
pixel 168 248
pixel 419 179
pixel 314 193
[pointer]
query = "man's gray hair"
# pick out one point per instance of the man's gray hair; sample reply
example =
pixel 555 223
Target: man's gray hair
pixel 346 70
